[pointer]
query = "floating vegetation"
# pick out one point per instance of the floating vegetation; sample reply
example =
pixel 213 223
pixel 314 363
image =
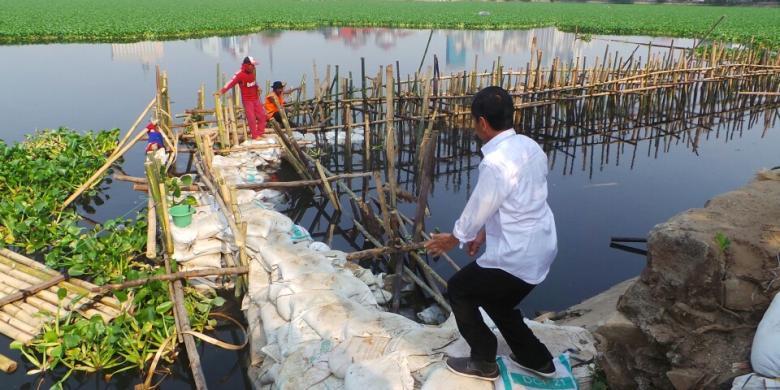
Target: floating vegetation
pixel 126 20
pixel 36 176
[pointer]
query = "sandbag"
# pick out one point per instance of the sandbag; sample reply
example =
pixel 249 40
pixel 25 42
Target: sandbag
pixel 244 196
pixel 306 367
pixel 211 260
pixel 354 350
pixel 389 372
pixel 516 377
pixel 345 285
pixel 225 162
pixel 293 335
pixel 754 381
pixel 765 354
pixel 440 377
pixel 255 215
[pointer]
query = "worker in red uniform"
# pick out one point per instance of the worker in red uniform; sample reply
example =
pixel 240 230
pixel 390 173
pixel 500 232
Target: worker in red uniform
pixel 271 109
pixel 250 96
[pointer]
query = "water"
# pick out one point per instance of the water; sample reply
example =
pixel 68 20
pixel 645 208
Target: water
pixel 96 86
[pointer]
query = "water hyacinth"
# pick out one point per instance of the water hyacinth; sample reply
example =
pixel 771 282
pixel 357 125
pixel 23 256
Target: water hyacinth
pixel 130 20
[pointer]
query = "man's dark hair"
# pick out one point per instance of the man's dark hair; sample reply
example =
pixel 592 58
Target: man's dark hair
pixel 246 61
pixel 495 104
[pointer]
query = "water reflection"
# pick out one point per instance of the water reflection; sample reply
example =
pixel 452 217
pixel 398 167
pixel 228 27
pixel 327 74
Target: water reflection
pixel 460 47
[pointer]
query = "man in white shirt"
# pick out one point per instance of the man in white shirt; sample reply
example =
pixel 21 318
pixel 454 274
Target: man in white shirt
pixel 508 210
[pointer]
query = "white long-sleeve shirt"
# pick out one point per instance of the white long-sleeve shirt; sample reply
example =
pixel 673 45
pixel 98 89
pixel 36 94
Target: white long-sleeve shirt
pixel 510 201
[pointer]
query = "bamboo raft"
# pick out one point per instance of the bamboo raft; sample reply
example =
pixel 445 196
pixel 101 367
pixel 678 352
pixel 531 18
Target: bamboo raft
pixel 28 297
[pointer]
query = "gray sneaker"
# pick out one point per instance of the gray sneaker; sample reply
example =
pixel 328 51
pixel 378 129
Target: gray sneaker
pixel 548 371
pixel 466 366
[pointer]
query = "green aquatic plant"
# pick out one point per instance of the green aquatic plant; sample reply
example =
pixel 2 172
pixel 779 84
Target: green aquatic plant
pixel 128 20
pixel 73 343
pixel 36 176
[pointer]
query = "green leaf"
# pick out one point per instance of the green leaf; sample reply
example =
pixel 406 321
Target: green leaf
pixel 17 345
pixel 164 307
pixel 76 270
pixel 218 301
pixel 120 295
pixel 56 351
pixel 50 336
pixel 62 293
pixel 71 340
pixel 186 180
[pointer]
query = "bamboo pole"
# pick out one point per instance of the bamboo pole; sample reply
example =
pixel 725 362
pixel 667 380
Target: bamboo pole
pixel 301 183
pixel 39 270
pixel 151 228
pixel 376 252
pixel 326 185
pixel 390 137
pixel 135 124
pixel 111 160
pixel 189 342
pixel 26 292
pixel 7 365
pixel 171 276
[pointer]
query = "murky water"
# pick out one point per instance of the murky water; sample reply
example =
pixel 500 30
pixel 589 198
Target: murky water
pixel 96 86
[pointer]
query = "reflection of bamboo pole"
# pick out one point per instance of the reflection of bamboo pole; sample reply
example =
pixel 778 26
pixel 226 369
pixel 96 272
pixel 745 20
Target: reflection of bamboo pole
pixel 435 294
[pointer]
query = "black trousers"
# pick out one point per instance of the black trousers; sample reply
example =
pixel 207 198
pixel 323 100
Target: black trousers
pixel 498 293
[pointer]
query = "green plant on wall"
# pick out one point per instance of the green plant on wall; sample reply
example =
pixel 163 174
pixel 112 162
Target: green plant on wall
pixel 723 242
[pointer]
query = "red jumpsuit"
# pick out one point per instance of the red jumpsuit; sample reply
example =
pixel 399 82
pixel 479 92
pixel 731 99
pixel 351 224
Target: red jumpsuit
pixel 255 114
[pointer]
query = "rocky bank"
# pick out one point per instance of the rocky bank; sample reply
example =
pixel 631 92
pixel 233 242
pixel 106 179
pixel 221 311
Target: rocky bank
pixel 688 321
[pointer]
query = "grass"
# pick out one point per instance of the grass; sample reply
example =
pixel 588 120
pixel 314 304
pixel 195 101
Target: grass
pixel 40 21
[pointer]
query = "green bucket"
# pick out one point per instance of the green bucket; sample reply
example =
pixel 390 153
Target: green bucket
pixel 182 215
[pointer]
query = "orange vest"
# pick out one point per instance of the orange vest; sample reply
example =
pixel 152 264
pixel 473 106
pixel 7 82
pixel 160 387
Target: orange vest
pixel 270 105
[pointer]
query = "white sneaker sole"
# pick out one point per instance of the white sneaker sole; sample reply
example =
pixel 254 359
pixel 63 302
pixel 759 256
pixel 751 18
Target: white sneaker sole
pixel 472 375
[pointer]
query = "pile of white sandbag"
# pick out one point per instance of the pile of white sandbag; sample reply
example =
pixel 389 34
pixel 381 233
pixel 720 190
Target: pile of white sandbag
pixel 316 320
pixel 315 323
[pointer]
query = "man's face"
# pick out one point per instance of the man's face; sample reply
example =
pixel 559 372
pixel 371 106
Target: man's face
pixel 480 128
pixel 278 90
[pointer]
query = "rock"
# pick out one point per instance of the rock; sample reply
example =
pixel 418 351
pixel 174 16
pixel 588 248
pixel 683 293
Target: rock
pixel 432 315
pixel 692 313
pixel 686 378
pixel 594 311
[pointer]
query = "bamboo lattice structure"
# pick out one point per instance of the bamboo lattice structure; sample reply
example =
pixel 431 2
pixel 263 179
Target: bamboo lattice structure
pixel 28 291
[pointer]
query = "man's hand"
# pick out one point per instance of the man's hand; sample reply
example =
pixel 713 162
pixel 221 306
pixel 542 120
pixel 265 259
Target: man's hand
pixel 441 243
pixel 477 243
pixel 217 93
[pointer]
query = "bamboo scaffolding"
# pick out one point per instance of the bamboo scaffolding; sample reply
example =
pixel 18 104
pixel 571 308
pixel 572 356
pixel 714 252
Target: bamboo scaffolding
pixel 575 108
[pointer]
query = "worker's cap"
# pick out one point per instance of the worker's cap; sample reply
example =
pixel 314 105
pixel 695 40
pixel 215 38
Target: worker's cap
pixel 277 85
